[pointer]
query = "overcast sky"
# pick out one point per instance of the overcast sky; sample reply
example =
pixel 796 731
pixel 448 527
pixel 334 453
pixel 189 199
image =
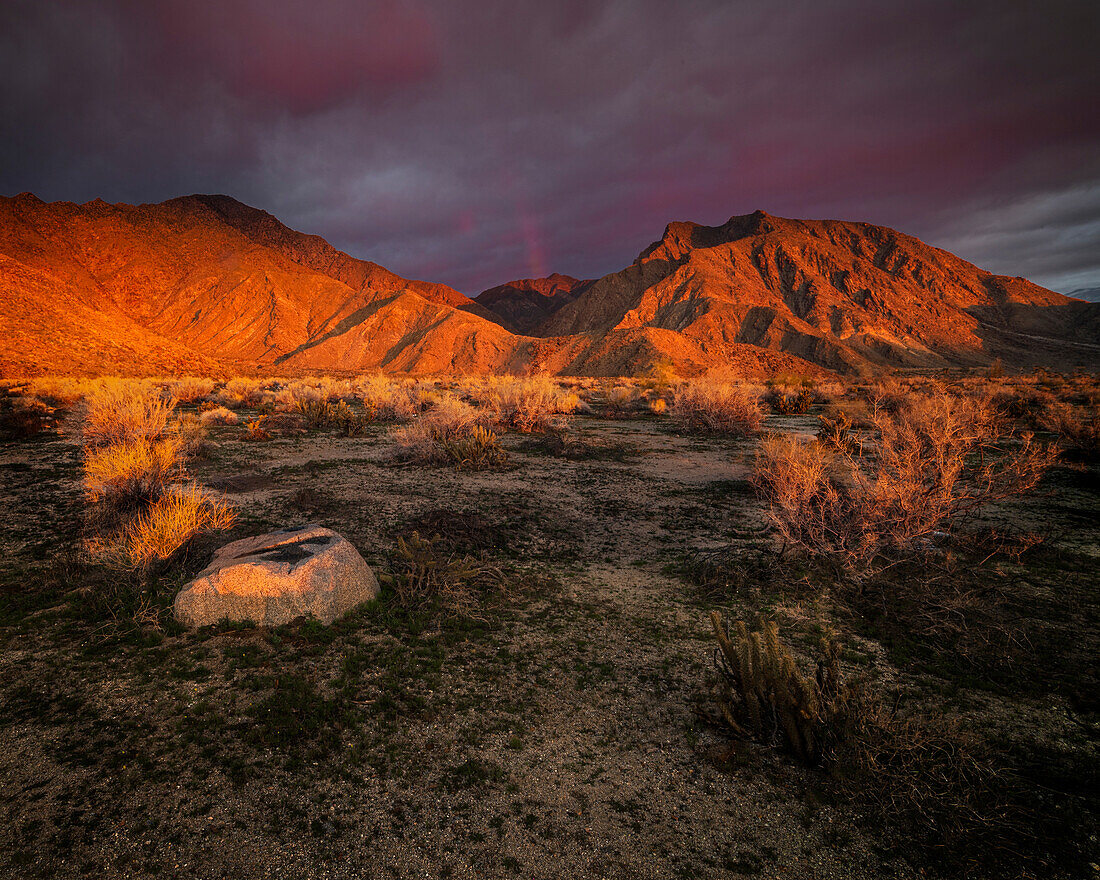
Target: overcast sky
pixel 474 143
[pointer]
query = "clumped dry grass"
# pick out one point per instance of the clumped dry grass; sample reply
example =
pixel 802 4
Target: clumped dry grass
pixel 531 404
pixel 717 408
pixel 133 472
pixel 125 412
pixel 59 390
pixel 621 399
pixel 424 576
pixel 452 432
pixel 242 392
pixel 928 460
pixel 219 415
pixel 165 526
pixel 190 389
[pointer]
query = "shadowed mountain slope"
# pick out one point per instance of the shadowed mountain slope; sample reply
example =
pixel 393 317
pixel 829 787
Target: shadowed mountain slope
pixel 521 306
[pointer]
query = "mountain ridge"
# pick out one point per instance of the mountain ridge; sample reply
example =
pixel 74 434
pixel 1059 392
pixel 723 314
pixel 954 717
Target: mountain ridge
pixel 205 283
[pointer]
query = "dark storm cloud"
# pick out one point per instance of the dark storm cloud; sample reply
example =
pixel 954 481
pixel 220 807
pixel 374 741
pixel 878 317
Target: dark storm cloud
pixel 476 142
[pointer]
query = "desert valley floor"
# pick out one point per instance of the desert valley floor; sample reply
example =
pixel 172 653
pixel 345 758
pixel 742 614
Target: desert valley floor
pixel 563 729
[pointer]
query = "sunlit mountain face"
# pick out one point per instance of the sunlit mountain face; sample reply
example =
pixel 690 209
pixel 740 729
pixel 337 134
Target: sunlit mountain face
pixel 205 284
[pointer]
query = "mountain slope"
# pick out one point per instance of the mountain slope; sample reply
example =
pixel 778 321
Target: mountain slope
pixel 229 283
pixel 521 306
pixel 206 284
pixel 845 296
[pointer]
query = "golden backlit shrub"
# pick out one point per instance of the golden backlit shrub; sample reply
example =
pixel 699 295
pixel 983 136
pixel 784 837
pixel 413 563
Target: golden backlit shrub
pixel 530 404
pixel 219 415
pixel 937 458
pixel 171 521
pixel 717 408
pixel 124 412
pixel 131 472
pixel 58 390
pixel 1078 428
pixel 189 389
pixel 452 432
pixel 193 436
pixel 621 398
pixel 242 392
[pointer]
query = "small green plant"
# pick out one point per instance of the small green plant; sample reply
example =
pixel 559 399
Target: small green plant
pixel 763 694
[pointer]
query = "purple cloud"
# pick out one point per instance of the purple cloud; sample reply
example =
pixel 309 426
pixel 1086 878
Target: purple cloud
pixel 472 143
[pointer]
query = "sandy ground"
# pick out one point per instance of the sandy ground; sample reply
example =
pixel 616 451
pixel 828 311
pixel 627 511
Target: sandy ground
pixel 557 737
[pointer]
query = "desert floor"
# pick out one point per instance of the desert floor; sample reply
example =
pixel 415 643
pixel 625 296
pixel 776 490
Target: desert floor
pixel 560 732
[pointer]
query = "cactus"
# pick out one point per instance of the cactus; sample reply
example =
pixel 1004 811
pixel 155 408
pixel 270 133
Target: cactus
pixel 763 693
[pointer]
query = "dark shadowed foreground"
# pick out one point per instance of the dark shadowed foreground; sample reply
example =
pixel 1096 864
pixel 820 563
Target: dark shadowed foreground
pixel 558 729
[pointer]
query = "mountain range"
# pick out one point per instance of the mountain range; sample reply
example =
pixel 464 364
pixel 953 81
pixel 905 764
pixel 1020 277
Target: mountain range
pixel 206 284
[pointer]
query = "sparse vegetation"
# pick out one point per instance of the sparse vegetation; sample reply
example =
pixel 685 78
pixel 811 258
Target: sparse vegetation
pixel 929 462
pixel 559 609
pixel 717 408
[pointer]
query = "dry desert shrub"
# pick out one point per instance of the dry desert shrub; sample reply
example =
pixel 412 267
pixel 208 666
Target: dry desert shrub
pixel 938 458
pixel 385 400
pixel 1078 428
pixel 190 389
pixel 662 376
pixel 423 576
pixel 320 414
pixel 58 390
pixel 787 402
pixel 219 415
pixel 529 405
pixel 242 393
pixel 166 526
pixel 125 412
pixel 193 436
pixel 452 432
pixel 133 472
pixel 24 417
pixel 717 408
pixel 620 399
